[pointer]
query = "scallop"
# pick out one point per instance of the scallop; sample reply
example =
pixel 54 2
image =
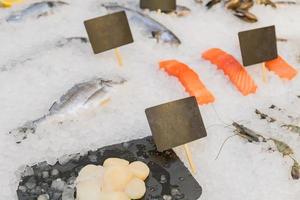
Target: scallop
pixel 136 188
pixel 139 169
pixel 115 162
pixel 91 172
pixel 114 196
pixel 88 190
pixel 116 178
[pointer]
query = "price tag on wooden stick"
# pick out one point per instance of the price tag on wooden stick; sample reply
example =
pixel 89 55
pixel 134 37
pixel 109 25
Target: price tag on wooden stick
pixel 176 123
pixel 162 5
pixel 109 32
pixel 258 46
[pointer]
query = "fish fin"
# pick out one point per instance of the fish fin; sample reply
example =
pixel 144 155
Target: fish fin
pixel 53 106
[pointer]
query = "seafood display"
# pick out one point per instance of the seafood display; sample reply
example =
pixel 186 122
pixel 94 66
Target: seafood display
pixel 164 174
pixel 92 166
pixel 189 79
pixel 150 26
pixel 83 95
pixel 36 10
pixel 232 68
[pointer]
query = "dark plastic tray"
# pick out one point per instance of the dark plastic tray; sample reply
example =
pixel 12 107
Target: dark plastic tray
pixel 169 179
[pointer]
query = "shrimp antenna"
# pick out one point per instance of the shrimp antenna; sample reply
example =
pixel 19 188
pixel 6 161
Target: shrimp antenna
pixel 218 115
pixel 223 144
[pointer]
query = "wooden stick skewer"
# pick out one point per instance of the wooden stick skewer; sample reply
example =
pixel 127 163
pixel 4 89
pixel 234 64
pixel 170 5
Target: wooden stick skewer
pixel 190 158
pixel 264 72
pixel 119 57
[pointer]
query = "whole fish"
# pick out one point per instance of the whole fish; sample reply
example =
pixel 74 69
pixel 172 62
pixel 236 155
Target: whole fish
pixel 37 10
pixel 156 29
pixel 81 96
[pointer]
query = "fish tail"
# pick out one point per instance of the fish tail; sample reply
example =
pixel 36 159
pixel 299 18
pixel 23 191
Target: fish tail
pixel 22 132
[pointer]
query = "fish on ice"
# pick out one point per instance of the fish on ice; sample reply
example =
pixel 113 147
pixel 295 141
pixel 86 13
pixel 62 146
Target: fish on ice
pixel 84 95
pixel 38 9
pixel 151 26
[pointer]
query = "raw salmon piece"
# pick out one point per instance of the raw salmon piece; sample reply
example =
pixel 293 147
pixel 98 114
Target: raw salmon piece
pixel 232 68
pixel 189 79
pixel 280 67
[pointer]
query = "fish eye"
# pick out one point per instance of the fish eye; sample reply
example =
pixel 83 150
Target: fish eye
pixel 166 36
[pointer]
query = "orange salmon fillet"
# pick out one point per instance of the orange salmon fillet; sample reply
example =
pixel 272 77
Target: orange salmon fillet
pixel 189 79
pixel 232 68
pixel 280 67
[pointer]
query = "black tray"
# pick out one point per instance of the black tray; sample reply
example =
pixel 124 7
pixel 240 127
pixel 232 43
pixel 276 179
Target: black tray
pixel 169 179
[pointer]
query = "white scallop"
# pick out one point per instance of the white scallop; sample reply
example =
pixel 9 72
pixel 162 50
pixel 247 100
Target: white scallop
pixel 139 169
pixel 88 190
pixel 136 188
pixel 91 173
pixel 116 178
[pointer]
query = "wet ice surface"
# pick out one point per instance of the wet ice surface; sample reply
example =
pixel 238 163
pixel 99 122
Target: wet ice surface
pixel 168 178
pixel 243 170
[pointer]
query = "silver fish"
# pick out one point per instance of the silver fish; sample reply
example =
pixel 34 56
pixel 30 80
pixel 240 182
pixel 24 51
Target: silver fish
pixel 37 9
pixel 156 29
pixel 80 96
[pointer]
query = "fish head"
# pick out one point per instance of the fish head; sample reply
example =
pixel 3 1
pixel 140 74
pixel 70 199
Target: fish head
pixel 166 37
pixel 236 125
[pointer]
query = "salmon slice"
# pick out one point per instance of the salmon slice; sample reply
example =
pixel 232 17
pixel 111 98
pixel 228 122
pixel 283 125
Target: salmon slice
pixel 280 67
pixel 236 73
pixel 189 79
